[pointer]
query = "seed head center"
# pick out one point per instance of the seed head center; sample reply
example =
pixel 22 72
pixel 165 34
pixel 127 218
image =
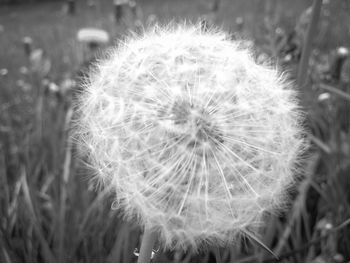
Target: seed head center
pixel 196 123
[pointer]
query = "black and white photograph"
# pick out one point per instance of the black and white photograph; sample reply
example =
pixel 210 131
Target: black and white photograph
pixel 174 131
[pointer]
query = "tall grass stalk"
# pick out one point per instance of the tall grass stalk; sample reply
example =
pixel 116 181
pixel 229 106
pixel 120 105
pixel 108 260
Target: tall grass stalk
pixel 339 93
pixel 307 45
pixel 63 197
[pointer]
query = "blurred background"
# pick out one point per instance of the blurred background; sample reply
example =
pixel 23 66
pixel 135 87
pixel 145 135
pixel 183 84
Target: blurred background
pixel 51 213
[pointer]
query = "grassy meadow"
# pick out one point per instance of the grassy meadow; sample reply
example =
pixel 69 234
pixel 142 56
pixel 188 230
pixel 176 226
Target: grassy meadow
pixel 51 213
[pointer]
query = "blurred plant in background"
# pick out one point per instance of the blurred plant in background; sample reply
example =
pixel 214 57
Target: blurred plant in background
pixel 47 215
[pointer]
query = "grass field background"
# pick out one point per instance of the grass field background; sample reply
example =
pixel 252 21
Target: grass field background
pixel 50 213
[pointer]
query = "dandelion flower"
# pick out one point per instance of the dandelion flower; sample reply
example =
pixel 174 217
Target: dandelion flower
pixel 197 140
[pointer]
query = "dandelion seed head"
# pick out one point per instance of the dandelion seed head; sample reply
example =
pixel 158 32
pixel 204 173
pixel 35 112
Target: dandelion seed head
pixel 197 140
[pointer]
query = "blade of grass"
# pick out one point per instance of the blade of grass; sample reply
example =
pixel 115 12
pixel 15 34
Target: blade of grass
pixel 299 203
pixel 64 186
pixel 4 188
pixel 126 241
pixel 258 242
pixel 323 146
pixel 314 241
pixel 6 256
pixel 307 45
pixel 336 91
pixel 46 252
pixel 116 251
pixel 12 209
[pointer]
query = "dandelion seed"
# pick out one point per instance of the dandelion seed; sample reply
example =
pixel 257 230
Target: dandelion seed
pixel 197 139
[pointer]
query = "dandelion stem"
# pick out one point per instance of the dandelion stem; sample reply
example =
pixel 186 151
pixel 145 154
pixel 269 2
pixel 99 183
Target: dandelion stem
pixel 217 255
pixel 147 243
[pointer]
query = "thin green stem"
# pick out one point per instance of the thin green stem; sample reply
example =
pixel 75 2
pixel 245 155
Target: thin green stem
pixel 147 243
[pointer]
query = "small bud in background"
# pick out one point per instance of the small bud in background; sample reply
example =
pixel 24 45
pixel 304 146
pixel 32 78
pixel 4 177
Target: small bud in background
pixel 45 82
pixel 262 58
pixel 119 6
pixel 39 62
pixel 138 26
pixel 91 3
pixel 215 6
pixel 133 7
pixel 91 38
pixel 2 29
pixel 118 13
pixel 239 23
pixel 204 24
pixel 23 70
pixel 67 85
pixel 206 21
pixel 237 29
pixel 23 85
pixel 324 96
pixel 87 35
pixel 71 9
pixel 340 56
pixel 27 44
pixel 338 258
pixel 151 19
pixel 53 88
pixel 3 72
pixel 287 58
pixel 280 35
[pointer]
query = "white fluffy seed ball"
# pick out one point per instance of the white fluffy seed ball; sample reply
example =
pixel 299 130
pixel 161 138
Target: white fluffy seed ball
pixel 196 139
